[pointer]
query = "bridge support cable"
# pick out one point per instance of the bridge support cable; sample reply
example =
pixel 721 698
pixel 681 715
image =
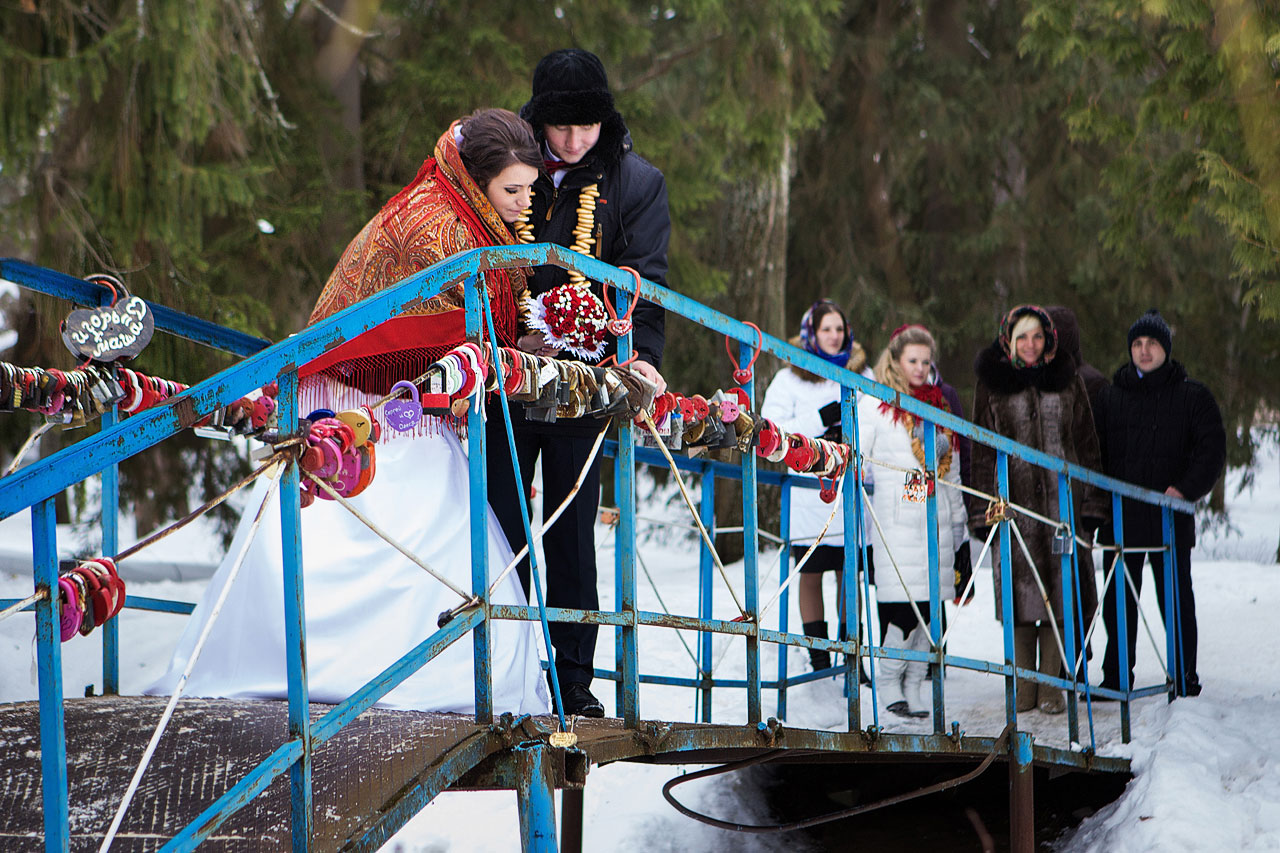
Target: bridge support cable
pixel 555 516
pixel 688 501
pixel 1001 743
pixel 38 595
pixel 186 672
pixel 26 445
pixel 381 534
pixel 795 572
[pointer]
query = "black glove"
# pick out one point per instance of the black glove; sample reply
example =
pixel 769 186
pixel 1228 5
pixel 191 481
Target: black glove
pixel 964 571
pixel 981 533
pixel 830 414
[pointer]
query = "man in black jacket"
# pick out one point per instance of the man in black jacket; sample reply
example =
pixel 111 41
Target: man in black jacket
pixel 1162 430
pixel 596 186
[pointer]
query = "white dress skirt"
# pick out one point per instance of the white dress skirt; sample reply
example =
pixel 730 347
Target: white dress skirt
pixel 366 603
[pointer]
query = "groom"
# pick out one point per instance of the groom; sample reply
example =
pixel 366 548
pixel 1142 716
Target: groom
pixel 586 145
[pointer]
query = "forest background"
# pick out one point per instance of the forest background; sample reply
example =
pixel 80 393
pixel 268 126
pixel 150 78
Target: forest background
pixel 933 162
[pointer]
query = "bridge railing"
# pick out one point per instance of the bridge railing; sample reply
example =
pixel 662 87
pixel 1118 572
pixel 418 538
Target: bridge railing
pixel 36 486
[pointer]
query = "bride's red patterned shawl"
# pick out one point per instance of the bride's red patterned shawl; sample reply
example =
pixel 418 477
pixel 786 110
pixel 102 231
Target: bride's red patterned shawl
pixel 442 212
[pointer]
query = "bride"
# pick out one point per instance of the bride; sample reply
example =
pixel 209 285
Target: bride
pixel 366 604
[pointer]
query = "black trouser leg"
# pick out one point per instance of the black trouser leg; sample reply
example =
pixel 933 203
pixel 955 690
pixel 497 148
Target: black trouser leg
pixel 570 550
pixel 504 497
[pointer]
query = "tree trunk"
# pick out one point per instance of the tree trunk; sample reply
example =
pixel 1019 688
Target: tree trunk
pixel 753 250
pixel 870 128
pixel 337 65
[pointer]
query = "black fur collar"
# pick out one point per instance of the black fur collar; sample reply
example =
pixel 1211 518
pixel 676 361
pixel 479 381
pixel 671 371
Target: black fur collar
pixel 994 371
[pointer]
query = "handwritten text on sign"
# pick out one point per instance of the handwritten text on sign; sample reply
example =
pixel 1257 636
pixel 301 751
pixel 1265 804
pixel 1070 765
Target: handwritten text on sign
pixel 110 332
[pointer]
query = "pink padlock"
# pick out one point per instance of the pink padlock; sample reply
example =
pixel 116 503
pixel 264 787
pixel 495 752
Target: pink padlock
pixel 70 615
pixel 348 476
pixel 728 411
pixel 332 457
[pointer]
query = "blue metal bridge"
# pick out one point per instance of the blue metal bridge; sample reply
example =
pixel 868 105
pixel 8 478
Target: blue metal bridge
pixel 302 776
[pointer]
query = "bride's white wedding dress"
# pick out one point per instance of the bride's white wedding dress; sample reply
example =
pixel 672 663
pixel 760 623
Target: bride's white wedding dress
pixel 366 604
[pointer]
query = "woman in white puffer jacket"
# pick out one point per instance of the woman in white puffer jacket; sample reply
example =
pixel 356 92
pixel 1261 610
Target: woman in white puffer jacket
pixel 893 437
pixel 796 401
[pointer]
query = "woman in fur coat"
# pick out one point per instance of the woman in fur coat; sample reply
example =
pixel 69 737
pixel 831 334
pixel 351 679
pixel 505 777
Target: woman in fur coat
pixel 894 439
pixel 799 401
pixel 1026 393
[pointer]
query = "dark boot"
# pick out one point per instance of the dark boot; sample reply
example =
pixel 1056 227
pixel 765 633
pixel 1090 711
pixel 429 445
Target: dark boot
pixel 818 658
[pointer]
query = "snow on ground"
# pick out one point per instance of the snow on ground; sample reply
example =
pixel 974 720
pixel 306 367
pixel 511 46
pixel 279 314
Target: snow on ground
pixel 1205 775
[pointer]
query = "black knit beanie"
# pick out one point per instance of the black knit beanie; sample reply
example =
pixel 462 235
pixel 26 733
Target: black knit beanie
pixel 1152 325
pixel 569 87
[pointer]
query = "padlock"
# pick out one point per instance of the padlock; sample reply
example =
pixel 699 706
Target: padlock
pixel 1063 542
pixel 403 414
pixel 263 408
pixel 914 488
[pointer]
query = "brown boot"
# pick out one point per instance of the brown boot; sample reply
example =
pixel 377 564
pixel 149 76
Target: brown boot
pixel 1024 655
pixel 1051 700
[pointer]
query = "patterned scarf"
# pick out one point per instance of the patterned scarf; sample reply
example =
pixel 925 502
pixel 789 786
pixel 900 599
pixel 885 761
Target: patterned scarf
pixel 442 212
pixel 931 394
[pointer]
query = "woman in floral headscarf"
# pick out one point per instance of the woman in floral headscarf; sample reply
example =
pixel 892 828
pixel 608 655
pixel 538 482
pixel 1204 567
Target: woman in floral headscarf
pixel 799 401
pixel 1027 394
pixel 366 604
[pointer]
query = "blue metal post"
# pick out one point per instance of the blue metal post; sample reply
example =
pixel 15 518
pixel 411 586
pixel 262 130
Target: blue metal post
pixel 53 744
pixel 935 591
pixel 1172 617
pixel 535 800
pixel 751 558
pixel 855 555
pixel 625 545
pixel 1068 615
pixel 1022 792
pixel 1122 615
pixel 110 504
pixel 853 488
pixel 479 509
pixel 295 622
pixel 784 600
pixel 706 597
pixel 1006 592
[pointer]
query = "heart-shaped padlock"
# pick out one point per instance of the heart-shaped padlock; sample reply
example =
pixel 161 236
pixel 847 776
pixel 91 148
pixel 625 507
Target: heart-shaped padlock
pixel 827 490
pixel 71 615
pixel 403 414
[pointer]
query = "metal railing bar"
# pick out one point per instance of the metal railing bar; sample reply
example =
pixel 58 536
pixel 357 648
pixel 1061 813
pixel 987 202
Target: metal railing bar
pixel 83 292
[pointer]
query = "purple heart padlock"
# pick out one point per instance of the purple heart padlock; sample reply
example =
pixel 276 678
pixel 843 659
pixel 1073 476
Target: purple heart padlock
pixel 402 414
pixel 71 615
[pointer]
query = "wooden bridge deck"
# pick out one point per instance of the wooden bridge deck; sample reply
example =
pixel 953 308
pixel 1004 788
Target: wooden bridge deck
pixel 365 777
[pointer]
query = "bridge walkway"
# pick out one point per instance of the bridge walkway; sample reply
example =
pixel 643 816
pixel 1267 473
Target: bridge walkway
pixel 374 774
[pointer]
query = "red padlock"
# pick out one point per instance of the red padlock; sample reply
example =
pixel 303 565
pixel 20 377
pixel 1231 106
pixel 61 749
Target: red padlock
pixel 263 408
pixel 827 490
